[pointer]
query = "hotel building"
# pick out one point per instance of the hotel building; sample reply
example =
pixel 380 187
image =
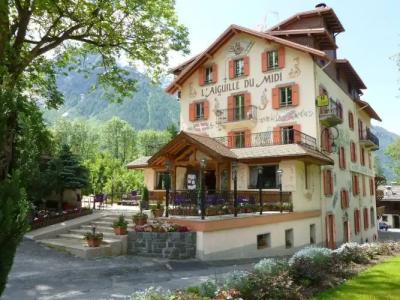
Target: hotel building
pixel 283 114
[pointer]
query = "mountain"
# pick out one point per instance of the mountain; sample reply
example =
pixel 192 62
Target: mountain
pixel 149 108
pixel 385 139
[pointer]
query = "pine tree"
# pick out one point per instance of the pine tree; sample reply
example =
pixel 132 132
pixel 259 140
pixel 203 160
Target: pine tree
pixel 65 172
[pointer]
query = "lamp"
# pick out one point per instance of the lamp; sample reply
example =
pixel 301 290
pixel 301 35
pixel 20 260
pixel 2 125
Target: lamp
pixel 203 164
pixel 280 173
pixel 260 186
pixel 167 184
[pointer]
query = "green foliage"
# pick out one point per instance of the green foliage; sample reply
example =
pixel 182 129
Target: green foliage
pixel 13 222
pixel 150 141
pixel 65 172
pixel 120 222
pixel 393 151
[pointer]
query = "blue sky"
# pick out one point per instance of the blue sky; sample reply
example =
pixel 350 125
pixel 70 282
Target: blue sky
pixel 371 38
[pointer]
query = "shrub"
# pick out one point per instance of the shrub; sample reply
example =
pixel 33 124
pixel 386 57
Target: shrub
pixel 152 293
pixel 271 266
pixel 208 288
pixel 311 265
pixel 120 222
pixel 352 252
pixel 238 280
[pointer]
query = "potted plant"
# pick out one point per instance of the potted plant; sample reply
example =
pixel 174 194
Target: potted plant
pixel 140 218
pixel 120 225
pixel 92 238
pixel 158 211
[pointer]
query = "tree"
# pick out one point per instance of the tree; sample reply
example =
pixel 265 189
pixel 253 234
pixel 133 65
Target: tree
pixel 172 130
pixel 39 36
pixel 393 150
pixel 65 172
pixel 150 141
pixel 119 139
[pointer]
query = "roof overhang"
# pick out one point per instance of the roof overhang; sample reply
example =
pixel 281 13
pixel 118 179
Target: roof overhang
pixel 139 163
pixel 364 106
pixel 222 39
pixel 327 13
pixel 348 69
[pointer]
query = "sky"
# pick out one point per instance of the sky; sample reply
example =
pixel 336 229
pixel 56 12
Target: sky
pixel 370 41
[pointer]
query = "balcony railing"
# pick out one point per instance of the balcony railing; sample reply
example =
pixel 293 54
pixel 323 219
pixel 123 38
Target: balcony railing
pixel 369 139
pixel 236 114
pixel 331 115
pixel 269 138
pixel 188 202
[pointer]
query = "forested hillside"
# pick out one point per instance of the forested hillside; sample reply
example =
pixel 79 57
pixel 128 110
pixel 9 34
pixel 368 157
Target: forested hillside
pixel 150 107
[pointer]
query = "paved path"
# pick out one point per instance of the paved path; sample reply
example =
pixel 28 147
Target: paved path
pixel 43 273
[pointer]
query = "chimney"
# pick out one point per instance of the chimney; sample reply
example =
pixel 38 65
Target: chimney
pixel 320 5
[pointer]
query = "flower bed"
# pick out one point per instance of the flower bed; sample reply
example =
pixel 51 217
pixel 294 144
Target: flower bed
pixel 307 273
pixel 46 218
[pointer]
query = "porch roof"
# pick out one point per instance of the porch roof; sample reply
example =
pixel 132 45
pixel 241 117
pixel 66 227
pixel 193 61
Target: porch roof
pixel 139 163
pixel 279 152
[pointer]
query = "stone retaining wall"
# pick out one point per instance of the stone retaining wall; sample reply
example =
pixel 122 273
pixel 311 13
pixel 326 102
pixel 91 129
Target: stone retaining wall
pixel 172 245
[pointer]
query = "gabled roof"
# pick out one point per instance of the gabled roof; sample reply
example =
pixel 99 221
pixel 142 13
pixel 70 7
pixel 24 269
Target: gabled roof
pixel 179 68
pixel 368 109
pixel 348 69
pixel 327 13
pixel 225 36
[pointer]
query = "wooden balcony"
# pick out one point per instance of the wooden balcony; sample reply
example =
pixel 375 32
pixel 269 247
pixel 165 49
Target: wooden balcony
pixel 369 140
pixel 331 115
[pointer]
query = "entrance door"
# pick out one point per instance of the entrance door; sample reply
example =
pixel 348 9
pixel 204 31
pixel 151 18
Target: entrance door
pixel 330 231
pixel 396 222
pixel 210 181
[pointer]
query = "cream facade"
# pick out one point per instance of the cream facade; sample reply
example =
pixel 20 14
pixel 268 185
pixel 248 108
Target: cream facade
pixel 269 101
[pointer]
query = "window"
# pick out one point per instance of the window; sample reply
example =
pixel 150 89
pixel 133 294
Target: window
pixel 273 61
pixel 369 160
pixel 372 216
pixel 160 180
pixel 328 183
pixel 384 218
pixel 360 129
pixel 239 67
pixel 239 139
pixel 353 153
pixel 351 120
pixel 362 156
pixel 312 234
pixel 366 218
pixel 239 108
pixel 342 158
pixel 289 238
pixel 326 142
pixel 285 96
pixel 344 199
pixel 208 75
pixel 357 221
pixel 263 241
pixel 268 178
pixel 371 187
pixel 346 231
pixel 287 135
pixel 356 190
pixel 199 110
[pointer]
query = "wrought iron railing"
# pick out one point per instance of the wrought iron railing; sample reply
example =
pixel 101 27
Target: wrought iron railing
pixel 240 113
pixel 189 203
pixel 270 138
pixel 368 135
pixel 333 108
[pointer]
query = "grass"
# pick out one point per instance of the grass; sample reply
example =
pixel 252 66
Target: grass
pixel 378 282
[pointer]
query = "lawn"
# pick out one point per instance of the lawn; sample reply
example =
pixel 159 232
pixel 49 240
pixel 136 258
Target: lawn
pixel 378 282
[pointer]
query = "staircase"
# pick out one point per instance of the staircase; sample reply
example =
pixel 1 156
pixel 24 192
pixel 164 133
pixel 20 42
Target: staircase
pixel 72 241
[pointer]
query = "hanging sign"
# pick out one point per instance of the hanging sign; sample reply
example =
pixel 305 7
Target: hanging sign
pixel 322 100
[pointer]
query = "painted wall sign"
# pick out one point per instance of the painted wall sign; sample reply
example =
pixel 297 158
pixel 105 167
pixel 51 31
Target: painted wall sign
pixel 238 85
pixel 286 116
pixel 322 100
pixel 240 47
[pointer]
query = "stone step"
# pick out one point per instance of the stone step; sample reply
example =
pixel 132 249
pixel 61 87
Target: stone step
pixel 82 231
pixel 98 228
pixel 78 236
pixel 78 248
